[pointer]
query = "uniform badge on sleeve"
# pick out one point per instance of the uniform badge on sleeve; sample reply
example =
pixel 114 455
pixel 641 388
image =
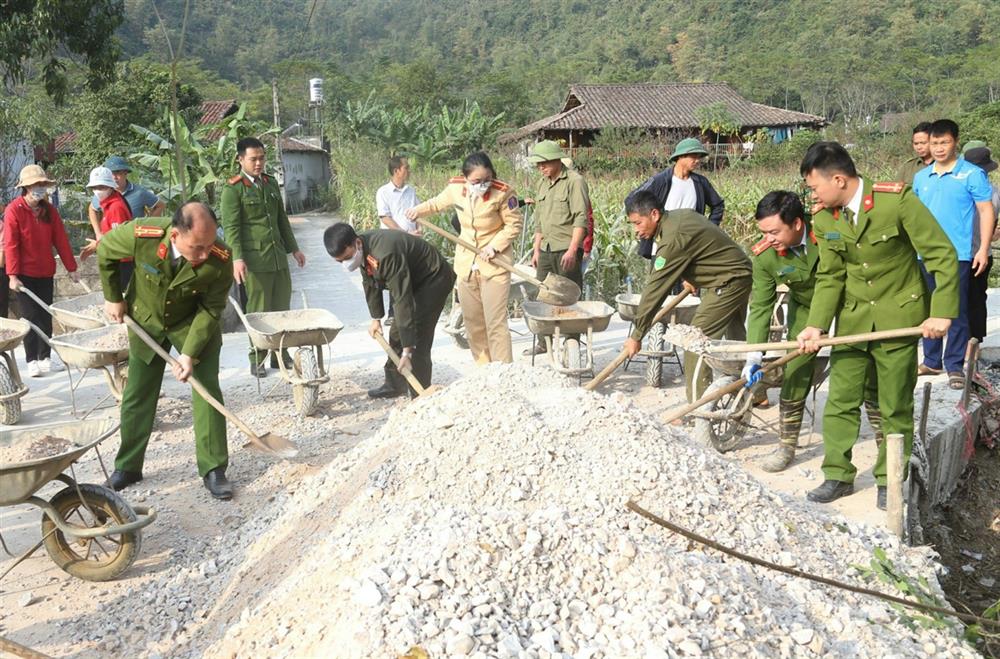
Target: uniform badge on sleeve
pixel 659 263
pixel 512 203
pixel 161 251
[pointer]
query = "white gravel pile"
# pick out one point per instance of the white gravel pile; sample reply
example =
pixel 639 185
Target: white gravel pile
pixel 489 520
pixel 688 337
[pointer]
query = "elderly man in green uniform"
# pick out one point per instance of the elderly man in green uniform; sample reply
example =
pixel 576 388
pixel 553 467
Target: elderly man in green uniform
pixel 560 217
pixel 182 277
pixel 419 281
pixel 869 279
pixel 787 255
pixel 691 248
pixel 255 225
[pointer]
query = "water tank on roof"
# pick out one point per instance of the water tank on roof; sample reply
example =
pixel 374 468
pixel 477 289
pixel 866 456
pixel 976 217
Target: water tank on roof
pixel 315 90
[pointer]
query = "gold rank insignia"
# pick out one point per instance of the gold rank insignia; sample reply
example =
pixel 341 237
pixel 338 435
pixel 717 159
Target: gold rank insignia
pixel 760 247
pixel 894 187
pixel 148 231
pixel 220 253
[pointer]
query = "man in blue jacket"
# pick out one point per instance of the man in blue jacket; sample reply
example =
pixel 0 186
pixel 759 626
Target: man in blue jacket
pixel 679 186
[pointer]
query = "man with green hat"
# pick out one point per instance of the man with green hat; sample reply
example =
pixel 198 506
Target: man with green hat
pixel 141 201
pixel 679 186
pixel 561 203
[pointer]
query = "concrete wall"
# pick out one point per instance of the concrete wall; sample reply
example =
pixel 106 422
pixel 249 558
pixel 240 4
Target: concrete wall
pixel 307 174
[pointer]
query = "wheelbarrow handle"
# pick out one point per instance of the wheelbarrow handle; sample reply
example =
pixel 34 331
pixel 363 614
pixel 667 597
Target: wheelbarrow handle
pixel 195 383
pixel 728 389
pixel 622 356
pixel 498 260
pixel 408 374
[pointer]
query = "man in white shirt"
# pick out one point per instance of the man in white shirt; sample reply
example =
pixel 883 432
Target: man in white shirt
pixel 396 197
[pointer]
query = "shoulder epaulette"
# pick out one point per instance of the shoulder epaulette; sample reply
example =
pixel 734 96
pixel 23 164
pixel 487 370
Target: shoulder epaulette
pixel 235 179
pixel 894 187
pixel 500 185
pixel 148 231
pixel 457 179
pixel 761 247
pixel 220 253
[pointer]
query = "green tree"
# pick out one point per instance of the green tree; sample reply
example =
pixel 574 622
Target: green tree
pixel 716 118
pixel 39 31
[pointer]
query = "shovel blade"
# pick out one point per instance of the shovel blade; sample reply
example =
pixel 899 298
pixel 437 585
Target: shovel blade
pixel 558 290
pixel 272 444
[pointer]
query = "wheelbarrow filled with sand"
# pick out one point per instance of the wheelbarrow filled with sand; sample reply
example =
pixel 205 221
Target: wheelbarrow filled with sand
pixel 561 327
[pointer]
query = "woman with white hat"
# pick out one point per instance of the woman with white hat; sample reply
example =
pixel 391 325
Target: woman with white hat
pixel 114 211
pixel 32 229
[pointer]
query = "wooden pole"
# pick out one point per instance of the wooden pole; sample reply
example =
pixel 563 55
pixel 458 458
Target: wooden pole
pixel 894 474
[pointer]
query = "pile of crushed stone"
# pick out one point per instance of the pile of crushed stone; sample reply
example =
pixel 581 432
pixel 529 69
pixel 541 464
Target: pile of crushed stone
pixel 490 520
pixel 687 337
pixel 40 447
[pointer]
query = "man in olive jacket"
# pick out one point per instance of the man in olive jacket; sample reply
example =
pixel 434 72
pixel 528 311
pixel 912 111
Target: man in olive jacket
pixel 256 227
pixel 869 279
pixel 181 280
pixel 419 281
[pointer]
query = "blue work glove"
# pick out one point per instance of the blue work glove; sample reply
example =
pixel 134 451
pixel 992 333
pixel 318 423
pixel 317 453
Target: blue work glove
pixel 754 375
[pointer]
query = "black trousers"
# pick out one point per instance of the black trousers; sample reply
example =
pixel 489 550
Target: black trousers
pixel 35 347
pixel 4 293
pixel 428 303
pixel 977 302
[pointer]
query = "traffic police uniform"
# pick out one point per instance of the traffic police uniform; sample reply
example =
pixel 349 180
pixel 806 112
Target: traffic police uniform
pixel 419 281
pixel 256 227
pixel 178 306
pixel 869 280
pixel 690 247
pixel 492 220
pixel 795 268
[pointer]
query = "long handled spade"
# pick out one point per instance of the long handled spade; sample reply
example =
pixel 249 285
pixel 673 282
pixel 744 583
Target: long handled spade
pixel 556 290
pixel 408 374
pixel 622 356
pixel 267 443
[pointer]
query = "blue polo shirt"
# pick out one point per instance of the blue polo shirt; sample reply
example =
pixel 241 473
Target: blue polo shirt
pixel 137 198
pixel 951 198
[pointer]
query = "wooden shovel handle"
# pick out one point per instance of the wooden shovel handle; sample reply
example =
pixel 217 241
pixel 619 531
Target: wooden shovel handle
pixel 195 384
pixel 408 374
pixel 499 259
pixel 728 389
pixel 622 356
pixel 882 335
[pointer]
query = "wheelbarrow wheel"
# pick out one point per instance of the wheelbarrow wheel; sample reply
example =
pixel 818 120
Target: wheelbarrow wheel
pixel 723 434
pixel 10 409
pixel 306 395
pixel 654 365
pixel 456 326
pixel 92 559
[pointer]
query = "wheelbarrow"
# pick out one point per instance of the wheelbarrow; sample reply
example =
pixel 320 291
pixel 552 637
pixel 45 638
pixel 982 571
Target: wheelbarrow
pixel 656 349
pixel 104 349
pixel 722 423
pixel 88 530
pixel 552 323
pixel 12 387
pixel 306 329
pixel 520 290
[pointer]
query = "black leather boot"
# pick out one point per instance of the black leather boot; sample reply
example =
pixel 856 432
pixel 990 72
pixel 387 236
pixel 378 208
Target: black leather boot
pixel 119 480
pixel 217 483
pixel 830 491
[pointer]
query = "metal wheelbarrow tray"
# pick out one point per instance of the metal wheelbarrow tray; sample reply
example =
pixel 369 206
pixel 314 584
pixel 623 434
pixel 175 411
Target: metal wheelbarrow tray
pixel 554 323
pixel 274 330
pixel 656 349
pixel 88 530
pixel 84 349
pixel 12 387
pixel 78 312
pixel 628 307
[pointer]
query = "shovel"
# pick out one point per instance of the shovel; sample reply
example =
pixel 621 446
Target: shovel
pixel 555 290
pixel 267 443
pixel 622 356
pixel 882 335
pixel 408 374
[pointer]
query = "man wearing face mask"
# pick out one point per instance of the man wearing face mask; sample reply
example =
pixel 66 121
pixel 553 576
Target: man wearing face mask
pixel 419 281
pixel 183 276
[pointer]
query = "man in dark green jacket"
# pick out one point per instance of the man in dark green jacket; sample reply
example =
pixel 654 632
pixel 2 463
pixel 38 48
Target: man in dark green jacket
pixel 256 227
pixel 179 287
pixel 419 281
pixel 691 248
pixel 869 279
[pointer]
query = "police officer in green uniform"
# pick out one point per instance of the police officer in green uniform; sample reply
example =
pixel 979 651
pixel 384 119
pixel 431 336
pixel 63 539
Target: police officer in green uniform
pixel 256 227
pixel 787 255
pixel 560 212
pixel 419 281
pixel 869 279
pixel 690 247
pixel 178 292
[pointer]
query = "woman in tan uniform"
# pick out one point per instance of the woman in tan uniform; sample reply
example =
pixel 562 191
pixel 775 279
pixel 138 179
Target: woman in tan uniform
pixel 488 212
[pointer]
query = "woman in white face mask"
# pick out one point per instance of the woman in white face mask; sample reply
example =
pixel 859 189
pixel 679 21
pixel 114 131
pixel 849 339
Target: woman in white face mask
pixel 31 229
pixel 488 213
pixel 114 211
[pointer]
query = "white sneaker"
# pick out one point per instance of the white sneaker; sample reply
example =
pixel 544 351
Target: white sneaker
pixel 33 369
pixel 55 364
pixel 43 366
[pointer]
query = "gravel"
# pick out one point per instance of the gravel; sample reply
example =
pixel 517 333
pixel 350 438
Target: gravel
pixel 688 337
pixel 114 340
pixel 40 447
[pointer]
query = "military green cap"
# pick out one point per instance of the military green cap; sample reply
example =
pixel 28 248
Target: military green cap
pixel 117 164
pixel 973 144
pixel 687 147
pixel 544 151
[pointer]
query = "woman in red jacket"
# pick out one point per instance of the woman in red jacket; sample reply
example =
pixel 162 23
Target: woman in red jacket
pixel 31 229
pixel 114 211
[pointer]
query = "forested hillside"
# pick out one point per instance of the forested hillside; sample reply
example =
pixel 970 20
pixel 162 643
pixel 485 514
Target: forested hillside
pixel 847 60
